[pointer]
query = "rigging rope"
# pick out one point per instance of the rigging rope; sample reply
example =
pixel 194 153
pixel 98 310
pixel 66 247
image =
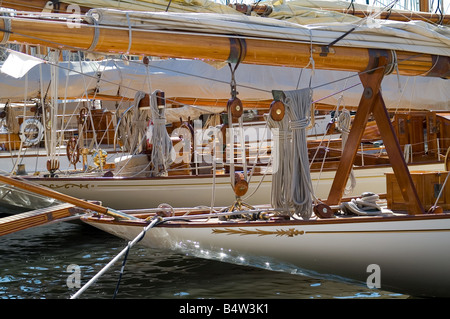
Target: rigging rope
pixel 138 238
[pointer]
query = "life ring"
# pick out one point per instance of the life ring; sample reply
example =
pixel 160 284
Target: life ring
pixel 31 132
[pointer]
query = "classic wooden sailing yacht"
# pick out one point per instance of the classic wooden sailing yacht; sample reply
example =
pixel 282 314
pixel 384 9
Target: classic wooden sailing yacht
pixel 405 246
pixel 128 193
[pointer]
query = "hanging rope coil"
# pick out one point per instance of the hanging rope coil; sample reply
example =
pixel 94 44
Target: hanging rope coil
pixel 132 125
pixel 138 124
pixel 291 179
pixel 280 165
pixel 343 124
pixel 163 153
pixel 298 108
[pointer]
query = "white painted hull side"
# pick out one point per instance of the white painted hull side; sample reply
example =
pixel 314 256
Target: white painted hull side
pixel 191 191
pixel 413 256
pixel 151 192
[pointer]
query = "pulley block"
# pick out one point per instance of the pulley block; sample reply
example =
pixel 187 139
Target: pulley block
pixel 240 184
pixel 277 110
pixel 323 211
pixel 235 104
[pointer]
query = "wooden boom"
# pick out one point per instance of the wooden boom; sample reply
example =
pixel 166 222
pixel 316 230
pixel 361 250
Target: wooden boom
pixel 58 34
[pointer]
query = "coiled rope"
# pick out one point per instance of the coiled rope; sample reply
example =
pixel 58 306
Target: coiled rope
pixel 343 124
pixel 163 153
pixel 364 206
pixel 291 179
pixel 298 104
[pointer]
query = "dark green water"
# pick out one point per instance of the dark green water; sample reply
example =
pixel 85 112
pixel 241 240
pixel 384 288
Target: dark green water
pixel 34 266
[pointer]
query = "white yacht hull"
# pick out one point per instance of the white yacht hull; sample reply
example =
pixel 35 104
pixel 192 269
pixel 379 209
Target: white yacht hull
pixel 407 254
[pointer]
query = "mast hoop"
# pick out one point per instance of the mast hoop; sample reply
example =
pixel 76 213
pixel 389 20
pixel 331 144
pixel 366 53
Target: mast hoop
pixel 7 31
pixel 93 22
pixel 393 65
pixel 238 50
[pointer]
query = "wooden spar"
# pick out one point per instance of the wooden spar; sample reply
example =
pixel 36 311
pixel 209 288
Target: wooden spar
pixel 38 217
pixel 208 102
pixel 424 6
pixel 400 16
pixel 372 102
pixel 423 15
pixel 63 197
pixel 207 47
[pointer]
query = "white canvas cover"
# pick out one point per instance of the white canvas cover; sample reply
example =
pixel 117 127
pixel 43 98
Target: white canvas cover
pixel 199 80
pixel 18 64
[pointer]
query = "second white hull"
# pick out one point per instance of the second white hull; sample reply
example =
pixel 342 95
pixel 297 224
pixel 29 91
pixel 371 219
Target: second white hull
pixel 191 191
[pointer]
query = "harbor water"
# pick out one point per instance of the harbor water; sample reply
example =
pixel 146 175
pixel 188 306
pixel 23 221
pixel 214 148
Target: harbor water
pixel 39 263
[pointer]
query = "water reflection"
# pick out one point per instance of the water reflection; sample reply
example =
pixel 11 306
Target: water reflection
pixel 34 265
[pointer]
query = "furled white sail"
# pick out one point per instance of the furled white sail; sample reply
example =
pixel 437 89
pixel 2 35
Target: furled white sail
pixel 199 80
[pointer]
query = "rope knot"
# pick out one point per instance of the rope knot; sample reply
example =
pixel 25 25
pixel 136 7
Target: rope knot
pixel 281 135
pixel 299 124
pixel 159 121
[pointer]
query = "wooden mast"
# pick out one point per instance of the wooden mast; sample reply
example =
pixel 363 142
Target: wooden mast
pixel 197 46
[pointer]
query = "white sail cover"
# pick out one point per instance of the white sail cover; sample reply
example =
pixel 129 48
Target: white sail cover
pixel 18 64
pixel 199 80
